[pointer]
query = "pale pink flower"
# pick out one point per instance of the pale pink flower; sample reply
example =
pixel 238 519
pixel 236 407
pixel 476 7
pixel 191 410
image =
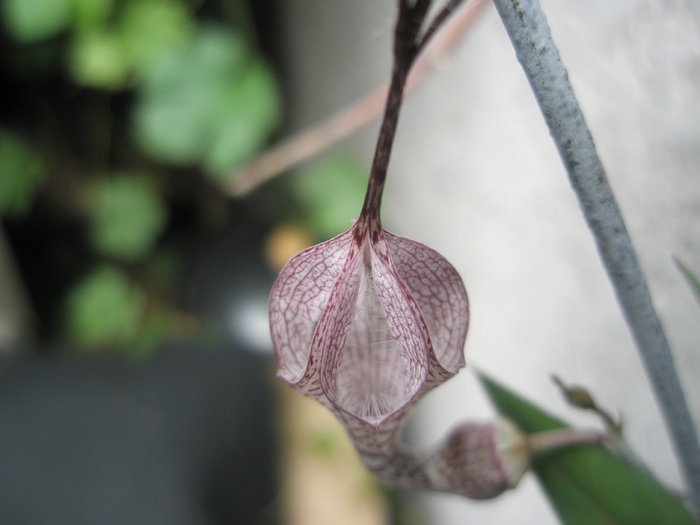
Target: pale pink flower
pixel 368 322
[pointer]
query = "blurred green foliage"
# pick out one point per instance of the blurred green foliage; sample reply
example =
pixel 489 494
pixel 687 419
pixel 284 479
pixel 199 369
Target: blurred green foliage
pixel 122 100
pixel 21 173
pixel 208 103
pixel 150 29
pixel 331 192
pixel 112 53
pixel 128 216
pixel 33 20
pixel 91 13
pixel 105 308
pixel 157 85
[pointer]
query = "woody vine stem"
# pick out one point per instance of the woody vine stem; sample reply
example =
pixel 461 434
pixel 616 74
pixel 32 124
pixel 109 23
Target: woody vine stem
pixel 529 32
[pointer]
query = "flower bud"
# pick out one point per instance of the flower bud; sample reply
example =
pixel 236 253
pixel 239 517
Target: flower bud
pixel 481 461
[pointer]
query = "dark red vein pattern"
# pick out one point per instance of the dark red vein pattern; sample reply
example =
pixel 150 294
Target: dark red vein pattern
pixel 367 324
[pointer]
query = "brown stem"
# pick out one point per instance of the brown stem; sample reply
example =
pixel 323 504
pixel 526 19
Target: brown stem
pixel 407 45
pixel 444 14
pixel 311 141
pixel 408 26
pixel 377 178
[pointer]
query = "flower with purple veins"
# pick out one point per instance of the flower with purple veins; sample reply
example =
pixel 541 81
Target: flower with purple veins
pixel 366 324
pixel 369 322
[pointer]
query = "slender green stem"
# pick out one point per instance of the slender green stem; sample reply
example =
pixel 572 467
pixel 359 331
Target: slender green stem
pixel 529 32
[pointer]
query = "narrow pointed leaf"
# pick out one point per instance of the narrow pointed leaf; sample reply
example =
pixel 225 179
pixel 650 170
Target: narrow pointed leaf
pixel 588 485
pixel 691 278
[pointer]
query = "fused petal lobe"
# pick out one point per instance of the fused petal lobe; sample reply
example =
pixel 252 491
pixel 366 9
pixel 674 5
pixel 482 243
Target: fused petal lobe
pixel 438 289
pixel 298 299
pixel 383 360
pixel 367 324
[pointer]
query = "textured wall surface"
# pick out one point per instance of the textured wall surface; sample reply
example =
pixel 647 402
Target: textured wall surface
pixel 475 175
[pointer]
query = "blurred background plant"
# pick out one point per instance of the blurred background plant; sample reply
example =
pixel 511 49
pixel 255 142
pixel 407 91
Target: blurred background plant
pixel 120 127
pixel 119 122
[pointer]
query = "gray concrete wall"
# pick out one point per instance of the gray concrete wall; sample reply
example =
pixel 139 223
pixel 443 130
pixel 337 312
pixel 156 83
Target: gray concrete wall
pixel 475 176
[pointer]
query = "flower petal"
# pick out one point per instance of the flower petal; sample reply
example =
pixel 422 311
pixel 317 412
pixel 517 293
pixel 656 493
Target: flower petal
pixel 439 291
pixel 383 360
pixel 298 299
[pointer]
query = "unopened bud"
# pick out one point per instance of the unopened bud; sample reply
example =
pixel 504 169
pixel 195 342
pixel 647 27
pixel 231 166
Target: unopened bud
pixel 481 461
pixel 575 395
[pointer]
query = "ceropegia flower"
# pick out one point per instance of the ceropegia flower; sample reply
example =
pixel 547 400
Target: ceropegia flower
pixel 368 322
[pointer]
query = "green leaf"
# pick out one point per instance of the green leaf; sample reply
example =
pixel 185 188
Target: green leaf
pixel 209 103
pixel 34 20
pixel 91 14
pixel 331 192
pixel 247 112
pixel 21 173
pixel 98 60
pixel 128 216
pixel 588 485
pixel 178 107
pixel 152 28
pixel 104 309
pixel 691 278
